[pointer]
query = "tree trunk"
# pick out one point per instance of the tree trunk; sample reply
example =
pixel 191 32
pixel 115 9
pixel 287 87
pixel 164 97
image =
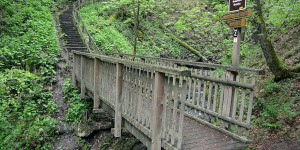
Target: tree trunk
pixel 272 60
pixel 136 26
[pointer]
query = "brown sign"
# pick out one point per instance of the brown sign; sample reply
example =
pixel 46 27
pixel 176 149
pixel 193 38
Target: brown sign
pixel 237 15
pixel 235 5
pixel 237 23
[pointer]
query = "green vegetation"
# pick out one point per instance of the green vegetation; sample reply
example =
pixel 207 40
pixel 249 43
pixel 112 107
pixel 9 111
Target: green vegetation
pixel 28 54
pixel 29 41
pixel 76 106
pixel 26 111
pixel 199 25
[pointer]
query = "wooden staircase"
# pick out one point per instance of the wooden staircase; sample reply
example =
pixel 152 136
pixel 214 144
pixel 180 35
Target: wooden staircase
pixel 71 38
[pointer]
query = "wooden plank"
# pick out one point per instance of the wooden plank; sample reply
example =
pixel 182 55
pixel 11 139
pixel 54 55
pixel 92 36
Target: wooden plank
pixel 96 84
pixel 216 85
pixel 250 103
pixel 242 102
pixel 169 109
pixel 74 67
pixel 174 114
pixel 181 114
pixel 157 109
pixel 82 87
pixel 164 114
pixel 118 103
pixel 204 90
pixel 210 92
pixel 236 91
pixel 199 91
pixel 225 82
pixel 221 96
pixel 194 92
pixel 139 102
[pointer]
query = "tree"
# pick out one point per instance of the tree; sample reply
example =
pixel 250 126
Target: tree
pixel 276 66
pixel 136 24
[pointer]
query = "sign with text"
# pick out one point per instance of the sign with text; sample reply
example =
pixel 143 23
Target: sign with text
pixel 235 5
pixel 237 15
pixel 237 23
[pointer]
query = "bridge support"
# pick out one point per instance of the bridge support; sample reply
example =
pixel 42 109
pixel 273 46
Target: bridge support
pixel 118 104
pixel 157 109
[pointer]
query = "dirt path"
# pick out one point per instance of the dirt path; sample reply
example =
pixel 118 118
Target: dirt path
pixel 66 139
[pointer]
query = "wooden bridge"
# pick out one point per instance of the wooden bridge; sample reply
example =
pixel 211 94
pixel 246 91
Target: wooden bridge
pixel 165 103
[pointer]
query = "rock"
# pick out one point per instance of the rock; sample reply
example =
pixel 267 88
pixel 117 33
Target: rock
pixel 62 128
pixel 86 128
pixel 139 147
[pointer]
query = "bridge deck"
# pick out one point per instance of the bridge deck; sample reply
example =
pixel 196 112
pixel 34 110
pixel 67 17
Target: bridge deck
pixel 197 136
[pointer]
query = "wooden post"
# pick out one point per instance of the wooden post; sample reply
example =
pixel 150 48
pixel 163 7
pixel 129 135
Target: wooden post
pixel 74 69
pixel 236 47
pixel 235 62
pixel 118 104
pixel 157 109
pixel 82 91
pixel 96 83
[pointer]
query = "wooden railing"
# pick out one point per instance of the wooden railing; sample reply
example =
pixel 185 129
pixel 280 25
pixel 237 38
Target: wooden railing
pixel 134 85
pixel 143 94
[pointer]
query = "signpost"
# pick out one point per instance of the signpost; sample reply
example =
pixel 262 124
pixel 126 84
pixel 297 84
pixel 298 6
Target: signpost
pixel 236 20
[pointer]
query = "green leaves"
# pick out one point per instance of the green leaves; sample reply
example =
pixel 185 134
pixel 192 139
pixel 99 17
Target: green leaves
pixel 29 40
pixel 76 106
pixel 25 111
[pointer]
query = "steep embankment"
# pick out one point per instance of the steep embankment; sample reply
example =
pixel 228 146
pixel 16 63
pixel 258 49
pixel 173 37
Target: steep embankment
pixel 28 55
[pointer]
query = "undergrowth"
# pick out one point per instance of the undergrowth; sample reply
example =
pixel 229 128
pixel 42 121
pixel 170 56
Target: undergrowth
pixel 26 111
pixel 77 107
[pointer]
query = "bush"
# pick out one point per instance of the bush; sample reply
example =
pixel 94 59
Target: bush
pixel 76 106
pixel 28 40
pixel 25 111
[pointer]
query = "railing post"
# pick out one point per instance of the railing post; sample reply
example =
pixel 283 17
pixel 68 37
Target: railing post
pixel 74 70
pixel 118 104
pixel 157 109
pixel 96 83
pixel 82 91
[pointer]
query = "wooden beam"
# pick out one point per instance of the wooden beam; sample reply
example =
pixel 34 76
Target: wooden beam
pixel 74 69
pixel 181 62
pixel 118 103
pixel 96 83
pixel 157 110
pixel 82 84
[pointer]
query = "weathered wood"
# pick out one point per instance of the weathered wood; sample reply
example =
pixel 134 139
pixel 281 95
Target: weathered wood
pixel 96 83
pixel 209 92
pixel 182 84
pixel 204 91
pixel 157 108
pixel 82 82
pixel 118 103
pixel 133 64
pixel 200 64
pixel 235 96
pixel 250 103
pixel 174 113
pixel 74 67
pixel 242 102
pixel 215 94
